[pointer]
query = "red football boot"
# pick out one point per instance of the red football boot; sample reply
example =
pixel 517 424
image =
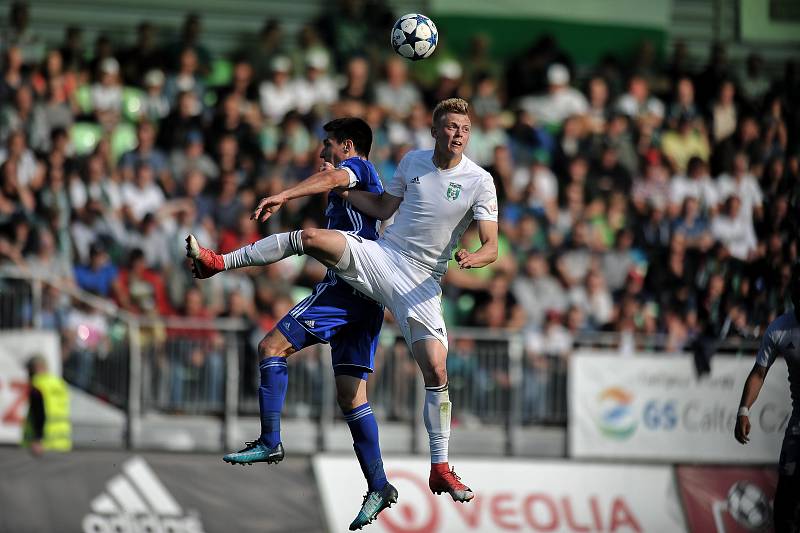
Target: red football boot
pixel 205 262
pixel 445 479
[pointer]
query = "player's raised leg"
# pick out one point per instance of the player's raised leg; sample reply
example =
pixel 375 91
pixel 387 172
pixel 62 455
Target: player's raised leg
pixel 327 246
pixel 351 394
pixel 431 356
pixel 273 350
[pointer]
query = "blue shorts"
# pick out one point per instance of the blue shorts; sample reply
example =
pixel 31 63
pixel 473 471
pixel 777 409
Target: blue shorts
pixel 338 314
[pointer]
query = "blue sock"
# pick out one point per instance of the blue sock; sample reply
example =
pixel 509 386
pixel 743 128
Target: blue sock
pixel 364 429
pixel 271 394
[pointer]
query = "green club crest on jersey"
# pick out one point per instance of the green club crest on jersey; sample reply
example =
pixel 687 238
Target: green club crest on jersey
pixel 453 190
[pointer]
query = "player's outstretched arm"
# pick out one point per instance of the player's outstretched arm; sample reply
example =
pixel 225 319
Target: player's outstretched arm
pixel 487 253
pixel 380 206
pixel 755 380
pixel 327 179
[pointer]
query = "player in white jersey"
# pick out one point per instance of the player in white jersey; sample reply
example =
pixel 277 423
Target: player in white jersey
pixel 436 194
pixel 782 337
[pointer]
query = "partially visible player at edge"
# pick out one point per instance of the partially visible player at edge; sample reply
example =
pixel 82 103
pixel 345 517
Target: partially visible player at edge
pixel 335 312
pixel 782 337
pixel 436 195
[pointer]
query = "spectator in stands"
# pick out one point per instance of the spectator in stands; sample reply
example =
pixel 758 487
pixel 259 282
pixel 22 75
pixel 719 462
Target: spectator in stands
pixel 19 34
pixel 13 77
pixel 696 184
pixel 146 153
pixel 754 82
pixel 723 112
pixel 185 117
pixel 693 226
pixel 175 53
pixel 196 361
pixel 744 185
pixel 537 290
pixel 449 73
pixel 269 45
pixel 683 105
pixel 599 108
pixel 396 94
pixel 72 51
pixel 192 158
pixel 47 425
pixel 357 86
pixel 277 94
pixel 99 276
pixel 142 195
pixel 155 104
pixel 618 262
pixel 561 100
pixel 317 89
pixel 142 289
pixel 187 77
pixel 144 56
pixel 29 171
pixel 734 230
pixel 687 141
pixel 640 105
pixel 106 94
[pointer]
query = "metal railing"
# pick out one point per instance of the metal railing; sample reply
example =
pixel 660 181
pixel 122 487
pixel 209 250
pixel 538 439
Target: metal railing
pixel 175 365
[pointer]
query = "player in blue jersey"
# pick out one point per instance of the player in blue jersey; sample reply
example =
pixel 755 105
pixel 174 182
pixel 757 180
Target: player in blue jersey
pixel 334 313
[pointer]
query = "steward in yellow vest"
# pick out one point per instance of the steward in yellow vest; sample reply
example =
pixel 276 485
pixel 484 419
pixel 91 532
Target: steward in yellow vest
pixel 47 426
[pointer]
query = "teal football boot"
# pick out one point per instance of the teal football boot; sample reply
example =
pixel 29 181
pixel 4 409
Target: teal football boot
pixel 256 452
pixel 374 502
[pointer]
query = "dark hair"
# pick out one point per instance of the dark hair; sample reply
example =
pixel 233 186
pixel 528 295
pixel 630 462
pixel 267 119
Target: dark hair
pixel 354 129
pixel 795 289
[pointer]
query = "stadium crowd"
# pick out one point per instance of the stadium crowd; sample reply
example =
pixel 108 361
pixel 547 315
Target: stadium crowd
pixel 636 196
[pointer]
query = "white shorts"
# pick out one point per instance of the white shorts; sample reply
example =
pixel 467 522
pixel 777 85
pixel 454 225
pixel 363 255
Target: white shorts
pixel 409 292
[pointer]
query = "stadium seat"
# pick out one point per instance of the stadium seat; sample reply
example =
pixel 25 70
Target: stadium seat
pixel 123 139
pixel 83 97
pixel 85 136
pixel 132 103
pixel 221 73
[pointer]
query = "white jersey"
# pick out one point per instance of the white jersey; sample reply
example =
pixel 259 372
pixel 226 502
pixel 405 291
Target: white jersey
pixel 437 207
pixel 783 338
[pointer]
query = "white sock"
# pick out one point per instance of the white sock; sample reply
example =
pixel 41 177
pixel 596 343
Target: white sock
pixel 266 251
pixel 437 420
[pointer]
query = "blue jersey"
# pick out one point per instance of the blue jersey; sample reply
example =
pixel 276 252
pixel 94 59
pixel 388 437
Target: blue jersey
pixel 335 312
pixel 342 215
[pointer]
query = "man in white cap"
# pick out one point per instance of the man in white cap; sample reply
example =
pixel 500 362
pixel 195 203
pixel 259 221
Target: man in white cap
pixel 561 100
pixel 316 87
pixel 277 94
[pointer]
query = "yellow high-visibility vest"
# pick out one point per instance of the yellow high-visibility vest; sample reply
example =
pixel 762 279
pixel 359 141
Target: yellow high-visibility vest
pixel 57 425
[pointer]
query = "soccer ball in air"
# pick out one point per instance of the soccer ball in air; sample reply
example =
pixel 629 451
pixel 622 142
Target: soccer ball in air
pixel 414 36
pixel 749 506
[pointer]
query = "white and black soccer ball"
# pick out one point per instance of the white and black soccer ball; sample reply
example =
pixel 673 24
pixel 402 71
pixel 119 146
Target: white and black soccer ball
pixel 414 36
pixel 749 506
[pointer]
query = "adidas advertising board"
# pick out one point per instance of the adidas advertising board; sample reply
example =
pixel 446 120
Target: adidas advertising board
pixel 653 407
pixel 16 347
pixel 117 492
pixel 535 496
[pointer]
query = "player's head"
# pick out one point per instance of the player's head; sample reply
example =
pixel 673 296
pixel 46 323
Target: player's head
pixel 346 137
pixel 451 127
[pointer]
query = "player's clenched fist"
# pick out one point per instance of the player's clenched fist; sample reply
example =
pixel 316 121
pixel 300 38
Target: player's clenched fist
pixel 742 429
pixel 268 207
pixel 326 166
pixel 464 258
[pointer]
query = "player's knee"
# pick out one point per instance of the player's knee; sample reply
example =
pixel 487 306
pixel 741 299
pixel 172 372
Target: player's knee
pixel 310 237
pixel 434 375
pixel 270 346
pixel 347 399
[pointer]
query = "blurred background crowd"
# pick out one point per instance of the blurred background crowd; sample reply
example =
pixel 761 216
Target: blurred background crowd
pixel 637 196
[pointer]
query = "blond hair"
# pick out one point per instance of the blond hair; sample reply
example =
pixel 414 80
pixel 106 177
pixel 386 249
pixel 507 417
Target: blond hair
pixel 451 105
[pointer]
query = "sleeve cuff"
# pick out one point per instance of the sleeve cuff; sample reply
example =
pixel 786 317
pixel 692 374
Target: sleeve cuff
pixel 352 176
